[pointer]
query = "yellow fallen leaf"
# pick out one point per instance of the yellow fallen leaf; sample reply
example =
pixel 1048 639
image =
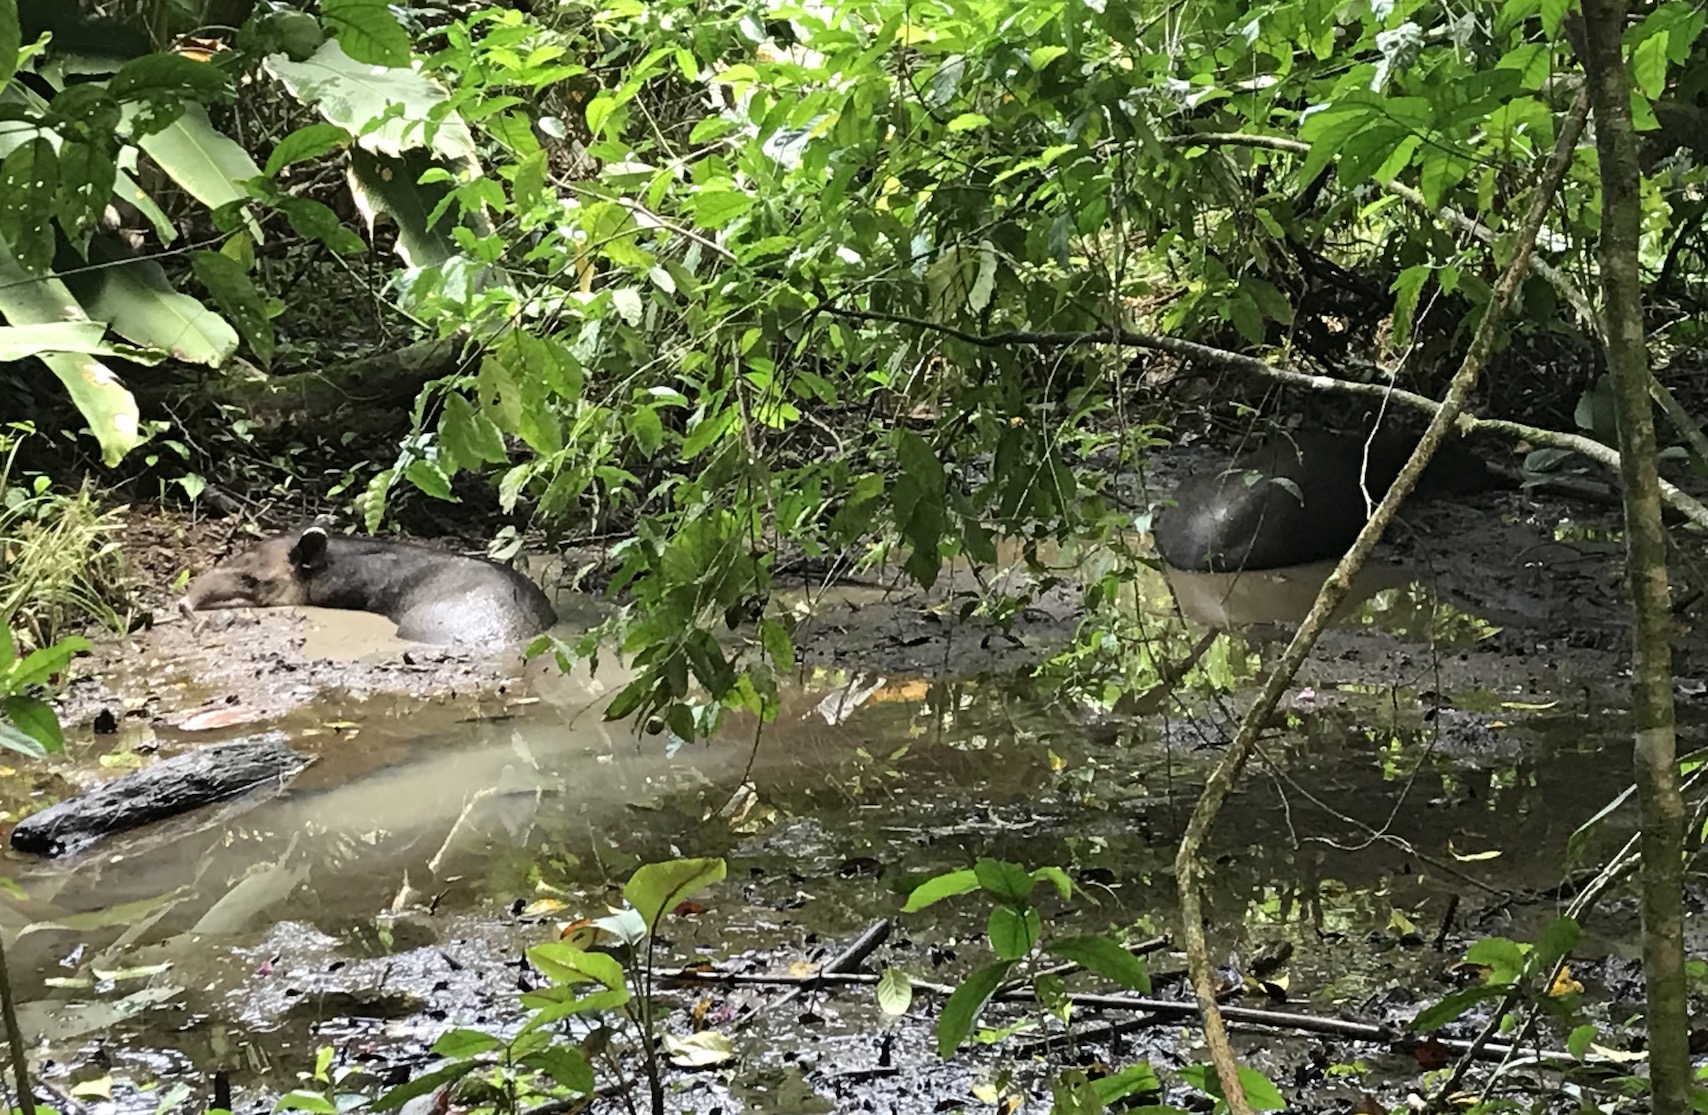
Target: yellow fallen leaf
pixel 539 907
pixel 708 1047
pixel 1564 984
pixel 99 1088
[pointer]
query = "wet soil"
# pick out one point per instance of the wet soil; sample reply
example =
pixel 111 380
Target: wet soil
pixel 1415 793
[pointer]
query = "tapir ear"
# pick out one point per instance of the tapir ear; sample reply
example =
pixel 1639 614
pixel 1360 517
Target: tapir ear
pixel 309 550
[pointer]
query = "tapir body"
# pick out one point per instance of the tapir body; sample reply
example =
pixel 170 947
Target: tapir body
pixel 432 596
pixel 1301 497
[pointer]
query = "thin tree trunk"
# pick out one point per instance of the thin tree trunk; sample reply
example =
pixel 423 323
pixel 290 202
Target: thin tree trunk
pixel 1660 805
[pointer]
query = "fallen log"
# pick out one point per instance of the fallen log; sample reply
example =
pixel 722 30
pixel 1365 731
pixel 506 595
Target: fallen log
pixel 166 789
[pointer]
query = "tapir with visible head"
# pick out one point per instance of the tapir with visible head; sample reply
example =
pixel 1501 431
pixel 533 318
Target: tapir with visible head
pixel 432 596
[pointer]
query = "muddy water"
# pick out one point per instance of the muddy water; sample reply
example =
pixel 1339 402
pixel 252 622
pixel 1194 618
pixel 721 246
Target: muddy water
pixel 377 899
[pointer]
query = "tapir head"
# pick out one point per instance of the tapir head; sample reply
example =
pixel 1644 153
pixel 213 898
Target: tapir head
pixel 270 574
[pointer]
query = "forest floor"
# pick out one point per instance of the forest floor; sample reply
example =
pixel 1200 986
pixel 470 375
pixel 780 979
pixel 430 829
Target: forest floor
pixel 1478 687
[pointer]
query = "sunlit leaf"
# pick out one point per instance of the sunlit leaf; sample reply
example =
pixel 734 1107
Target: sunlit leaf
pixel 656 888
pixel 943 886
pixel 895 992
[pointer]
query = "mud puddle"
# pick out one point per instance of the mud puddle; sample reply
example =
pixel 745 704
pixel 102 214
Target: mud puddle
pixel 387 895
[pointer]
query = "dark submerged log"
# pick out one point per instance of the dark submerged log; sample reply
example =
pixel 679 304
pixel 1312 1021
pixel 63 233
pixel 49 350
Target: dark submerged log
pixel 166 789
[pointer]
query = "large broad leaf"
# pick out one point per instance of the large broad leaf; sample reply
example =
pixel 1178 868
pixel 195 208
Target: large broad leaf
pixel 27 299
pixel 134 297
pixel 20 341
pixel 210 165
pixel 353 94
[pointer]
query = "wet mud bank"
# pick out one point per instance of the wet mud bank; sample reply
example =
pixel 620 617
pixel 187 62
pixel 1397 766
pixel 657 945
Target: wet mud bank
pixel 1418 786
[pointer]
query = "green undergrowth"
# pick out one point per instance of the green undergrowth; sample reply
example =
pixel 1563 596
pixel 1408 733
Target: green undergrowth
pixel 61 566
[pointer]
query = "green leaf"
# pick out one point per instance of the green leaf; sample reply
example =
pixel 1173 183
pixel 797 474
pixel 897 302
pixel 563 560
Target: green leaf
pixel 39 666
pixel 19 342
pixel 1259 1091
pixel 779 646
pixel 306 143
pixel 423 1084
pixel 551 1010
pixel 1101 955
pixel 466 1043
pixel 431 479
pixel 1042 56
pixel 1134 1080
pixel 158 88
pixel 29 176
pixel 304 1100
pixel 627 301
pixel 353 95
pixel 647 429
pixel 529 185
pixel 136 299
pixel 895 992
pixel 11 40
pixel 1555 944
pixel 962 1009
pixel 1502 956
pixel 947 885
pixel 1453 1006
pixel 968 121
pixel 232 291
pixel 655 888
pixel 565 1064
pixel 207 163
pixel 1013 933
pixel 1009 882
pixel 918 504
pixel 714 207
pixel 469 437
pixel 35 719
pixel 1057 878
pixel 15 740
pixel 1648 65
pixel 367 31
pixel 317 221
pixel 567 965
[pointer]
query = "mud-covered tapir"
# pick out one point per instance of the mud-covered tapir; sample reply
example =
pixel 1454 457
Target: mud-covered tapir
pixel 432 596
pixel 1302 497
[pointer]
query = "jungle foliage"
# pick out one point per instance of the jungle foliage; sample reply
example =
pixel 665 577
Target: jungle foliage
pixel 799 282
